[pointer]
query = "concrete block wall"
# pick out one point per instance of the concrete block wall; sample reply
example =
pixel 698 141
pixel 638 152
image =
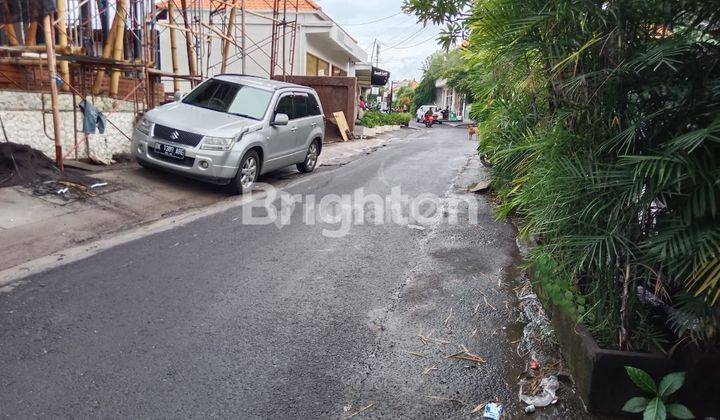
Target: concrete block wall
pixel 21 113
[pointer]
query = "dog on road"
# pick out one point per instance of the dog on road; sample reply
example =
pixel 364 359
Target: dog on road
pixel 472 130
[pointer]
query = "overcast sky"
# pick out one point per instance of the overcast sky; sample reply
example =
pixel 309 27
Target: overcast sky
pixel 404 44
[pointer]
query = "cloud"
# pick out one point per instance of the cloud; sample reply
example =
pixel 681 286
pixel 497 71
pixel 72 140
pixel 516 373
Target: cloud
pixel 404 43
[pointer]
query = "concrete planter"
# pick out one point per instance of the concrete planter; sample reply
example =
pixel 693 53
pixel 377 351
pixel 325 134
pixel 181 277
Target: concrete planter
pixel 361 131
pixel 604 386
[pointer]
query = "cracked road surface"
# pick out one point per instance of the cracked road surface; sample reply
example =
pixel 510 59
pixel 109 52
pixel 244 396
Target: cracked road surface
pixel 220 319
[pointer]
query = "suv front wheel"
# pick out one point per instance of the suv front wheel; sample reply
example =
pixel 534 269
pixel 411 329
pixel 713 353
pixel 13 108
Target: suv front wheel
pixel 247 173
pixel 308 165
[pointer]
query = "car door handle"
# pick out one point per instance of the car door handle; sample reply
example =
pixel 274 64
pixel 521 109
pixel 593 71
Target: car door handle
pixel 293 129
pixel 314 124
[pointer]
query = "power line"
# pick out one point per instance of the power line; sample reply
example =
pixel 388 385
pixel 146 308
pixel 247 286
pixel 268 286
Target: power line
pixel 372 21
pixel 411 36
pixel 412 46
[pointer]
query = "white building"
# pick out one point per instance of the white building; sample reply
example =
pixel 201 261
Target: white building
pixel 455 102
pixel 322 47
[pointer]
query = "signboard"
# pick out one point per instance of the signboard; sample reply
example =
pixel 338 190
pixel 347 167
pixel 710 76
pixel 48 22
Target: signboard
pixel 379 77
pixel 375 90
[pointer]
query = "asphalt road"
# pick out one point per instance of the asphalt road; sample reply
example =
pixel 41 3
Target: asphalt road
pixel 223 319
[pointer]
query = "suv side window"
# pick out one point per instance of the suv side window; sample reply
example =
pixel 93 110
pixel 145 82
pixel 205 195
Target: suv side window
pixel 285 106
pixel 301 105
pixel 313 107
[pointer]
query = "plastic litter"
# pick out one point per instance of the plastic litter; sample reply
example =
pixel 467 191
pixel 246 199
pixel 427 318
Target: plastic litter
pixel 98 184
pixel 549 387
pixel 493 411
pixel 530 409
pixel 63 191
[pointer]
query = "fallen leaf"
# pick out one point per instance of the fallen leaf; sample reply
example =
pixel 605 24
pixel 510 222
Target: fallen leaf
pixel 477 408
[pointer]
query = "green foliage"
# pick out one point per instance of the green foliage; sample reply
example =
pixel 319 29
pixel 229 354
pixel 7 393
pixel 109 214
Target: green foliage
pixel 558 290
pixel 441 65
pixel 424 93
pixel 404 97
pixel 373 119
pixel 601 121
pixel 452 13
pixel 656 407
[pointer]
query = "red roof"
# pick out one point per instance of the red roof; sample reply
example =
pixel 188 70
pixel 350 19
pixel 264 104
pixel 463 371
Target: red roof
pixel 252 4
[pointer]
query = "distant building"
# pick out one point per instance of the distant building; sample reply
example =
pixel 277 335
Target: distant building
pixel 455 102
pixel 322 47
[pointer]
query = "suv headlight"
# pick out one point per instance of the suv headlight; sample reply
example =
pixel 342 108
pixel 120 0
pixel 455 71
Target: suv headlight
pixel 144 126
pixel 217 143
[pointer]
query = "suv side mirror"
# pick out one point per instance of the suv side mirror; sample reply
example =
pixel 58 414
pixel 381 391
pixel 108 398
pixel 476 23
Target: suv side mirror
pixel 281 119
pixel 178 96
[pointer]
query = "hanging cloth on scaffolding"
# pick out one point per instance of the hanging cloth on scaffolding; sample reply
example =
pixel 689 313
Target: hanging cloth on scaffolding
pixel 93 118
pixel 13 11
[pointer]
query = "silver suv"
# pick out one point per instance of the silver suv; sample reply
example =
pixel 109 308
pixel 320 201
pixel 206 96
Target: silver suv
pixel 232 128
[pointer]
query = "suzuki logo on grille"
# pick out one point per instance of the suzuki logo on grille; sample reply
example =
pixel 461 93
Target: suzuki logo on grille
pixel 174 135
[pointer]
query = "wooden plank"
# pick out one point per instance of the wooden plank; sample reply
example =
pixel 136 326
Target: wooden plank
pixel 342 124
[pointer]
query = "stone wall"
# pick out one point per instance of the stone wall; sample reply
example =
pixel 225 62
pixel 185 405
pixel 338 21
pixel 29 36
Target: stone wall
pixel 22 115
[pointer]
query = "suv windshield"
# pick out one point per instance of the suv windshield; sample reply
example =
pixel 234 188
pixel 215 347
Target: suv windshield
pixel 232 98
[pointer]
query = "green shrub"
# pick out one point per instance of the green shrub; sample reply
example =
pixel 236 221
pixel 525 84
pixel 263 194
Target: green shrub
pixel 373 119
pixel 602 121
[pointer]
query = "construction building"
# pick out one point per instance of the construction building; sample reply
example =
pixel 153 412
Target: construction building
pixel 127 56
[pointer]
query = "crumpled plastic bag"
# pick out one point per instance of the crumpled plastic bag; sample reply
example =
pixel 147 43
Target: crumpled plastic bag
pixel 549 387
pixel 493 411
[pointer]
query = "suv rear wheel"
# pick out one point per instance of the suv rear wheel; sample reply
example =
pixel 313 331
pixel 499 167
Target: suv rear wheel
pixel 308 165
pixel 247 173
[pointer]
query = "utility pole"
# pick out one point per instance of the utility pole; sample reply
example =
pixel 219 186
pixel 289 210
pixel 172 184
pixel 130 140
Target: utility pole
pixel 392 82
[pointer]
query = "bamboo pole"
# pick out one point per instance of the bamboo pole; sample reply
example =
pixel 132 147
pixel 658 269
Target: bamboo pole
pixel 10 27
pixel 188 40
pixel 228 34
pixel 106 52
pixel 242 34
pixel 31 36
pixel 47 29
pixel 63 41
pixel 121 14
pixel 173 45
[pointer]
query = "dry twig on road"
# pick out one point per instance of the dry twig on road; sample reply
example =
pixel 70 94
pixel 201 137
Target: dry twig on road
pixel 360 410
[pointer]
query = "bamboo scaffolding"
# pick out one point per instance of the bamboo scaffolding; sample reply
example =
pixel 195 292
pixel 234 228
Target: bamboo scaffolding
pixel 31 35
pixel 173 45
pixel 63 40
pixel 228 34
pixel 106 52
pixel 121 15
pixel 47 29
pixel 188 40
